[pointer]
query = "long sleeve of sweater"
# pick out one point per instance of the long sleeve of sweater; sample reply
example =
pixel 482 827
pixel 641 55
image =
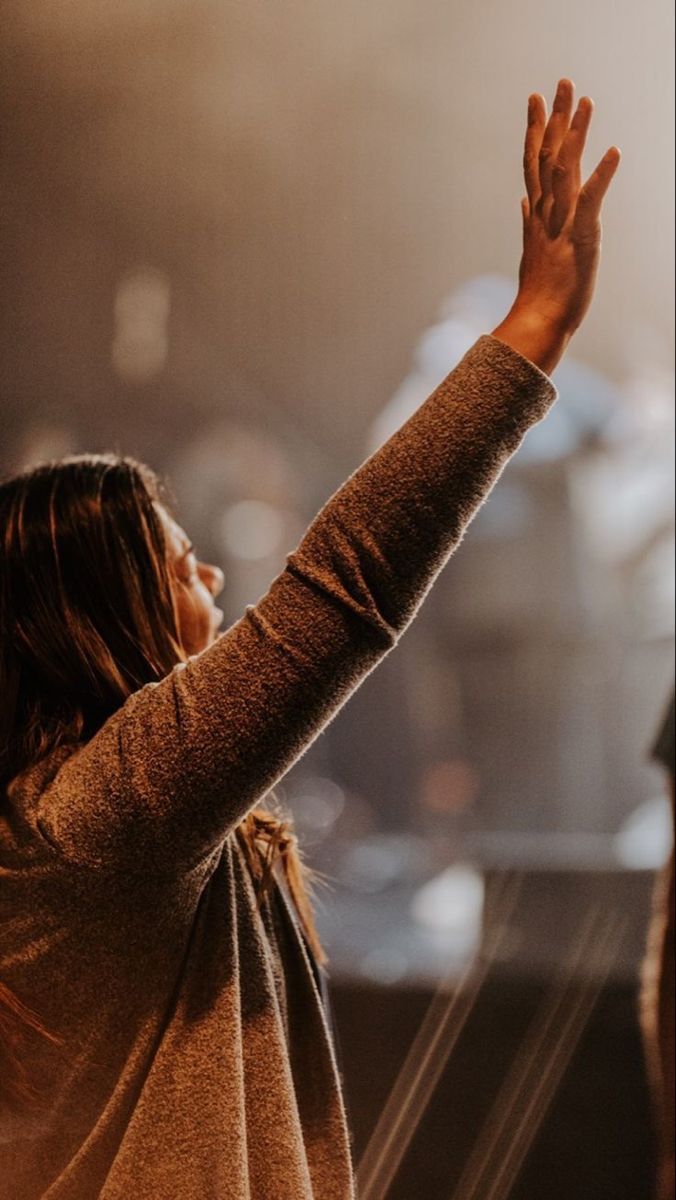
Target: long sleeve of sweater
pixel 179 765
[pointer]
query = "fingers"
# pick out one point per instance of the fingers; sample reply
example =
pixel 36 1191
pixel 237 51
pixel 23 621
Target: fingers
pixel 552 161
pixel 566 174
pixel 535 129
pixel 556 130
pixel 590 199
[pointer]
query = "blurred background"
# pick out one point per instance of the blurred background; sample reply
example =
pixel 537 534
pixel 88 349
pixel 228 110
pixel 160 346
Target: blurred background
pixel 242 242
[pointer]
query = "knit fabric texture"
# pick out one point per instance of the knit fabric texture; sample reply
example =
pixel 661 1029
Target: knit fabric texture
pixel 194 1060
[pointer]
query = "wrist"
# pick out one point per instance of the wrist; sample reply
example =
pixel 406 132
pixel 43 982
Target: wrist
pixel 534 336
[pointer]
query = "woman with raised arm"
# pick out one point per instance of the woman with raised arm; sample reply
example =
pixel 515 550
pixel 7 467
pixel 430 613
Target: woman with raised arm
pixel 164 1036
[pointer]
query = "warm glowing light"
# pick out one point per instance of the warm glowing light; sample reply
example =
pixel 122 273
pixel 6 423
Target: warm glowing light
pixel 141 310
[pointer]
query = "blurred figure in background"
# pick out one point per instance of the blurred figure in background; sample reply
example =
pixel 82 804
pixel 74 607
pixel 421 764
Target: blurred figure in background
pixel 563 597
pixel 658 986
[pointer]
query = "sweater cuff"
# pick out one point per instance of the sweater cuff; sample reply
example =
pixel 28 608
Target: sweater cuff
pixel 529 377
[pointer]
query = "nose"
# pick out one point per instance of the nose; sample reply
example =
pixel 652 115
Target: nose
pixel 212 577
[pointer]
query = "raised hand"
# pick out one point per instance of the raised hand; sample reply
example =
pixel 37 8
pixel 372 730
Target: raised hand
pixel 561 228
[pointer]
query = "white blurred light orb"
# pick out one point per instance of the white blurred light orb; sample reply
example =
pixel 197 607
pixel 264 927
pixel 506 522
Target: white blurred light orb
pixel 451 902
pixel 251 530
pixel 318 804
pixel 645 839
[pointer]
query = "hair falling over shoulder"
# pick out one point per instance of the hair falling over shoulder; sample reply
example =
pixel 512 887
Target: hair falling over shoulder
pixel 87 617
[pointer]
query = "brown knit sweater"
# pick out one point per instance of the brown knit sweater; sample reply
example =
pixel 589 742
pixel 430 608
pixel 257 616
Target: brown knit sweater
pixel 195 1062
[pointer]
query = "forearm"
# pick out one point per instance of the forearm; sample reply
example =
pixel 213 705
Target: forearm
pixel 380 541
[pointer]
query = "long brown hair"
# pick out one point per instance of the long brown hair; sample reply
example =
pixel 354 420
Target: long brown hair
pixel 87 617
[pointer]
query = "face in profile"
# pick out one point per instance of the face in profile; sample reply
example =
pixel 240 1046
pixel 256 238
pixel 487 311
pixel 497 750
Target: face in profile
pixel 196 586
